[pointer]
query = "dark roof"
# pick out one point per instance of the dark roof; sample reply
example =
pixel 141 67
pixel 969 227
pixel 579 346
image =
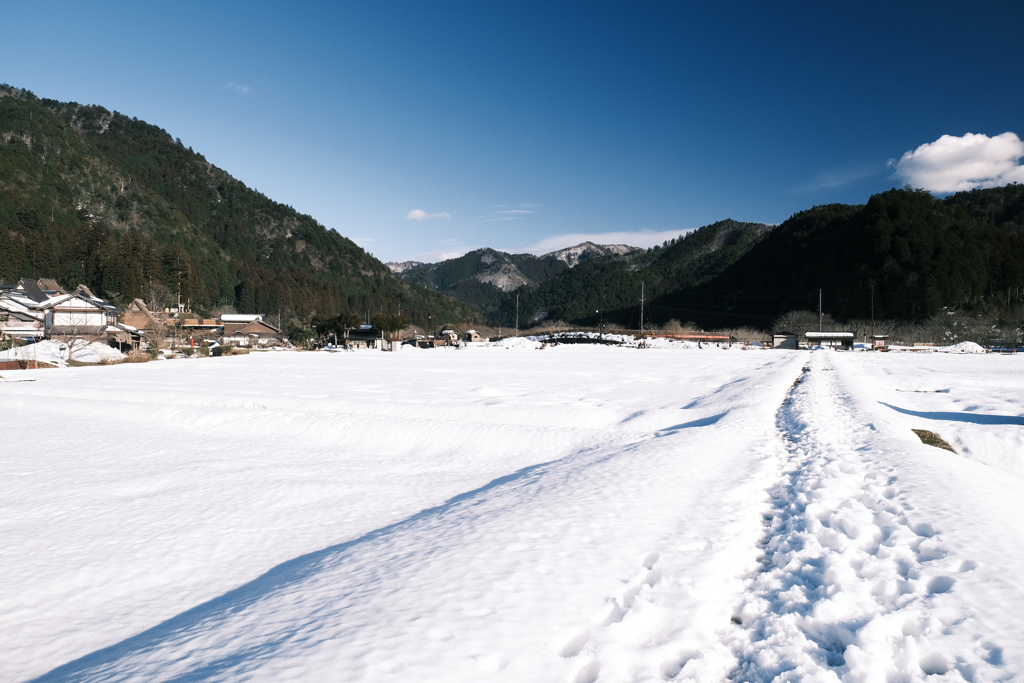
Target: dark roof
pixel 31 290
pixel 254 325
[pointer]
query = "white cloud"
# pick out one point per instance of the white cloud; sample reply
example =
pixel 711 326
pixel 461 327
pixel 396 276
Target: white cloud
pixel 240 88
pixel 421 215
pixel 643 238
pixel 952 164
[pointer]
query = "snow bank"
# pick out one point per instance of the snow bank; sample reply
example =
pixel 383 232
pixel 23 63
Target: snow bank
pixel 964 347
pixel 56 352
pixel 625 340
pixel 517 343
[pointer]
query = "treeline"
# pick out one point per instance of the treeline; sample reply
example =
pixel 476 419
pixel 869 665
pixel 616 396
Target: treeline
pixel 905 253
pixel 91 196
pixel 918 255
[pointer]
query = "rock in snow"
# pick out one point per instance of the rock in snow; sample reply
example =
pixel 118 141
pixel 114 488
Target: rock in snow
pixel 577 513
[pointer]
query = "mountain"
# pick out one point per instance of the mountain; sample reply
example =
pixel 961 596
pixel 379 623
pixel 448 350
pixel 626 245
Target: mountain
pixel 90 196
pixel 608 288
pixel 920 255
pixel 588 251
pixel 481 277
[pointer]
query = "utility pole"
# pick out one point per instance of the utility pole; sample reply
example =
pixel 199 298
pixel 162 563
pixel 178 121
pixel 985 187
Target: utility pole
pixel 872 314
pixel 517 315
pixel 819 309
pixel 641 308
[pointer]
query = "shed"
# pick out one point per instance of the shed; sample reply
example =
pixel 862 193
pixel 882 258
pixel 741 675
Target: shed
pixel 474 336
pixel 834 340
pixel 784 340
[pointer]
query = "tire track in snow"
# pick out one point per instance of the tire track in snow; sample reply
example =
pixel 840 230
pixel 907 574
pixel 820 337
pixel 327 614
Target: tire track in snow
pixel 848 584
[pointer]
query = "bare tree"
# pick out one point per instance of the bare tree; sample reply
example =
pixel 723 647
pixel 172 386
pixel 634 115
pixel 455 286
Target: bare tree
pixel 157 296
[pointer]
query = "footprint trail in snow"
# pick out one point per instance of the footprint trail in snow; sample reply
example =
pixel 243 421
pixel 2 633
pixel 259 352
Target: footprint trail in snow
pixel 849 577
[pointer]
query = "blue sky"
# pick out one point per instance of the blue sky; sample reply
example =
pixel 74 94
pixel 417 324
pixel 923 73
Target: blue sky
pixel 422 129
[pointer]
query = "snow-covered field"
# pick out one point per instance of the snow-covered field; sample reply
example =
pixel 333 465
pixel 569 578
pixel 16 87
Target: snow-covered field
pixel 573 513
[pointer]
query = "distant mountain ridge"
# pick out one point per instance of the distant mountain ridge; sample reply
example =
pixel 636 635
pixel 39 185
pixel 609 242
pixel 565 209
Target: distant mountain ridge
pixel 921 255
pixel 482 276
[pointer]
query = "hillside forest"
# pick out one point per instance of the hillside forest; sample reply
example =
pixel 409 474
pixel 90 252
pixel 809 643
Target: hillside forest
pixel 94 197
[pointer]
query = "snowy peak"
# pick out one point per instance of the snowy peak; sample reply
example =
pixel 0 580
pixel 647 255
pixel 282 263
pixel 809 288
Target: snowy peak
pixel 397 267
pixel 587 251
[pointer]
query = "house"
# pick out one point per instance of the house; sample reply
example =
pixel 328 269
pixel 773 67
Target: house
pixel 49 286
pixel 137 315
pixel 474 336
pixel 784 340
pixel 37 309
pixel 253 333
pixel 365 337
pixel 834 340
pixel 75 315
pixel 19 319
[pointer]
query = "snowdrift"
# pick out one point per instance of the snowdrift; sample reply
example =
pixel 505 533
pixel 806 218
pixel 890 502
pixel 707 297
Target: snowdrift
pixel 55 352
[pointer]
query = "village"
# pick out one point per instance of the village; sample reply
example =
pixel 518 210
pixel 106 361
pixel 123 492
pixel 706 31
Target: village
pixel 33 311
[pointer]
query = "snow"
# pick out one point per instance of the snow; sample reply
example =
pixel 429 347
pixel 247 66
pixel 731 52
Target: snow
pixel 56 352
pixel 961 347
pixel 965 347
pixel 515 513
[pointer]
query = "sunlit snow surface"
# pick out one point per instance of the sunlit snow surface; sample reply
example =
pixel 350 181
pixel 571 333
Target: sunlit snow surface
pixel 572 513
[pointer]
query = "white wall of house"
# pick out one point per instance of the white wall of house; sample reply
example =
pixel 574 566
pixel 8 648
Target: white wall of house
pixel 79 314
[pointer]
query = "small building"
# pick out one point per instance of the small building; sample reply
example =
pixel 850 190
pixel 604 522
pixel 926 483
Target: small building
pixel 831 340
pixel 138 315
pixel 235 321
pixel 76 315
pixel 20 318
pixel 365 337
pixel 254 333
pixel 785 340
pixel 474 336
pixel 879 341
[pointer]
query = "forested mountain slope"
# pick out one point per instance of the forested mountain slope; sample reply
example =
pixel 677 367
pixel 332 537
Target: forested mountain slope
pixel 920 254
pixel 482 277
pixel 609 288
pixel 92 196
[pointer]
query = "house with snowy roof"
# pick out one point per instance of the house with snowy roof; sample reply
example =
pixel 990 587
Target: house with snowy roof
pixel 28 311
pixel 255 332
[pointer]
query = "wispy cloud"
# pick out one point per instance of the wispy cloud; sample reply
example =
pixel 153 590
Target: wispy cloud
pixel 363 240
pixel 829 180
pixel 952 164
pixel 421 215
pixel 643 238
pixel 240 88
pixel 520 212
